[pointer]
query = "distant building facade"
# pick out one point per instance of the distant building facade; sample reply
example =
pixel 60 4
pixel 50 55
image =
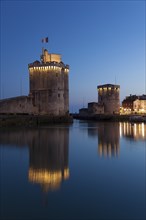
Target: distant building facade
pixel 127 103
pixel 134 104
pixel 139 105
pixel 49 89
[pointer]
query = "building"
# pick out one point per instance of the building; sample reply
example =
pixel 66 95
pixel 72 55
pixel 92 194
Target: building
pixel 139 105
pixel 127 103
pixel 109 96
pixel 95 108
pixel 108 101
pixel 134 104
pixel 49 89
pixel 83 112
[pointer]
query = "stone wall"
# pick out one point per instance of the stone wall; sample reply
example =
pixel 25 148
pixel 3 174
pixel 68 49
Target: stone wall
pixel 21 104
pixel 95 108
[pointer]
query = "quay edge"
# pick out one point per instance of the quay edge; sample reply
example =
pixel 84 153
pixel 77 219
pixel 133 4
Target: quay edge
pixel 11 120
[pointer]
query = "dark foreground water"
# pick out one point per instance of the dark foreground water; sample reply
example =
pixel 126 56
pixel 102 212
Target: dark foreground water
pixel 82 171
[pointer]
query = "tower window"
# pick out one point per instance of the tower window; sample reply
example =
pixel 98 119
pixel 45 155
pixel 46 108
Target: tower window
pixel 50 93
pixel 58 95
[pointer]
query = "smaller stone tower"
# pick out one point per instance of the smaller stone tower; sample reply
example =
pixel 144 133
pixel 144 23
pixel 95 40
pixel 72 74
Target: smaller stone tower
pixel 108 95
pixel 49 85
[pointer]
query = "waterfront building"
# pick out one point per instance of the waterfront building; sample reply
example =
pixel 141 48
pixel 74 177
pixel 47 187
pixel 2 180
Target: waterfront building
pixel 108 102
pixel 139 105
pixel 95 108
pixel 134 104
pixel 127 103
pixel 109 96
pixel 49 89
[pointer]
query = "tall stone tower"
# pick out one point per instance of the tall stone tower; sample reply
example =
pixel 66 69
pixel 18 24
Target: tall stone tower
pixel 49 87
pixel 108 95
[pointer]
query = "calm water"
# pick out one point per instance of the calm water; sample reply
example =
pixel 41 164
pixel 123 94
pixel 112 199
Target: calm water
pixel 82 171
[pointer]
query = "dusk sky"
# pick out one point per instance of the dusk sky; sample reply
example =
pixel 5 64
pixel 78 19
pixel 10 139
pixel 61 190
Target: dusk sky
pixel 102 41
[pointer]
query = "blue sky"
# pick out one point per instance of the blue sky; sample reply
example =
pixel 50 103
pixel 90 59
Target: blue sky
pixel 102 41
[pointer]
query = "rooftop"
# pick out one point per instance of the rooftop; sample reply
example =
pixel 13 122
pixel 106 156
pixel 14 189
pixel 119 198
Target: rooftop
pixel 108 85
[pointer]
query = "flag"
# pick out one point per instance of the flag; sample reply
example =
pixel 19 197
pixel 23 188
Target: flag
pixel 45 40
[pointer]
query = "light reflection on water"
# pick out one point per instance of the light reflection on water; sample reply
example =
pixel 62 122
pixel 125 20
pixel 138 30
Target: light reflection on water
pixel 62 158
pixel 48 154
pixel 136 131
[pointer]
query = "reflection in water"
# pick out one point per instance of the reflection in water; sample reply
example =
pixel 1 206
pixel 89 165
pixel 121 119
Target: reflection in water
pixel 136 131
pixel 109 134
pixel 108 139
pixel 49 159
pixel 48 154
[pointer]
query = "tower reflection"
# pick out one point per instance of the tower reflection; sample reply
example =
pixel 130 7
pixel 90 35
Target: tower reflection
pixel 48 154
pixel 48 161
pixel 108 139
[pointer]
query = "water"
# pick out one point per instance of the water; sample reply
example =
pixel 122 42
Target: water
pixel 83 171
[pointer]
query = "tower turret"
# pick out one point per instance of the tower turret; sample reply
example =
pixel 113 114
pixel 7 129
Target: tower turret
pixel 108 95
pixel 49 84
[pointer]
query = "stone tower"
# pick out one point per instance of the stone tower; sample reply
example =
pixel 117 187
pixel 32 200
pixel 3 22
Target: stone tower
pixel 108 95
pixel 49 87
